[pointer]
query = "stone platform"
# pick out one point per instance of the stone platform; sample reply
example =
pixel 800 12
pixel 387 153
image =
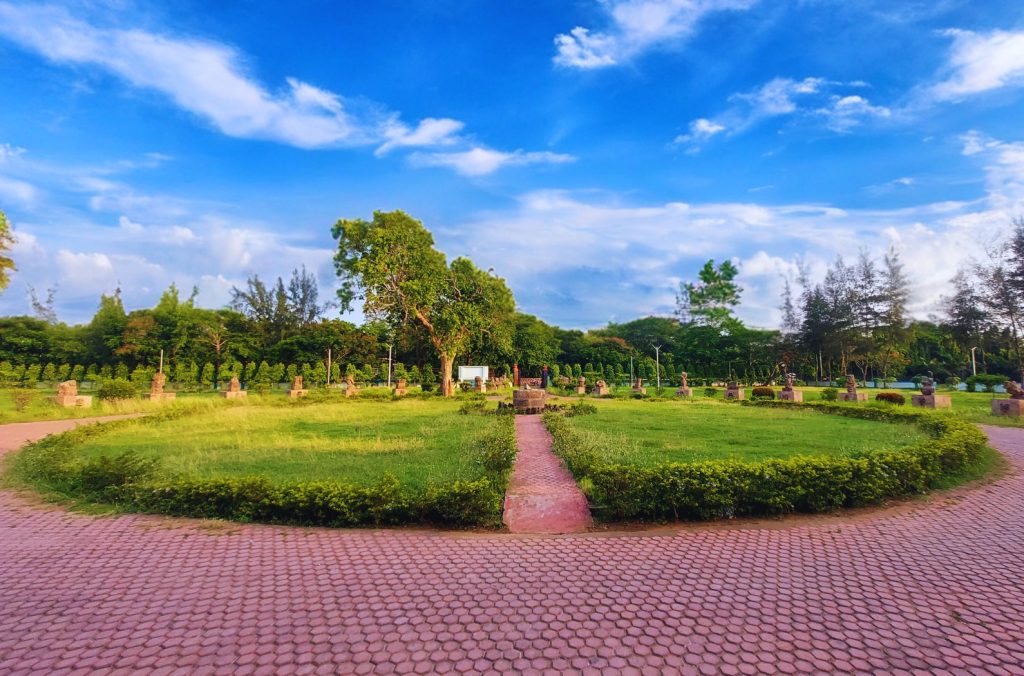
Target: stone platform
pixel 856 397
pixel 931 401
pixel 160 396
pixel 73 400
pixel 791 395
pixel 1014 408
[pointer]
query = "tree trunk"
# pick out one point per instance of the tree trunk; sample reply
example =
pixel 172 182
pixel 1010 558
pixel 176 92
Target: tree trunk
pixel 447 386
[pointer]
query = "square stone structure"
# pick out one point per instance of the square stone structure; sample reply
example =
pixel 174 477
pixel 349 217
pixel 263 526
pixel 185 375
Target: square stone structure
pixel 234 390
pixel 297 389
pixel 852 396
pixel 931 401
pixel 400 388
pixel 581 385
pixel 600 389
pixel 68 397
pixel 156 389
pixel 1013 408
pixel 791 395
pixel 734 392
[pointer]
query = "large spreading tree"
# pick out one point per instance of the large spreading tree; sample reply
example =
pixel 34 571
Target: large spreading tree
pixel 391 264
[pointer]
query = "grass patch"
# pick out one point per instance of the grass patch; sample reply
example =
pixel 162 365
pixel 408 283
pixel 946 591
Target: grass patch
pixel 350 463
pixel 415 440
pixel 640 433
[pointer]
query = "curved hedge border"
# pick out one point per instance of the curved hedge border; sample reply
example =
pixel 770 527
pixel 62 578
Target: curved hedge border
pixel 725 488
pixel 130 482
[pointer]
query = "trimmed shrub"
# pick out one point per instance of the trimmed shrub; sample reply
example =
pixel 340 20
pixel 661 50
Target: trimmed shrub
pixel 710 392
pixel 130 481
pixel 116 389
pixel 762 393
pixel 580 408
pixel 726 488
pixel 891 398
pixel 829 394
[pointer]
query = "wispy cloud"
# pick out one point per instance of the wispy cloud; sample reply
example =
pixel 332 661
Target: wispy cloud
pixel 979 63
pixel 634 27
pixel 813 97
pixel 429 132
pixel 480 161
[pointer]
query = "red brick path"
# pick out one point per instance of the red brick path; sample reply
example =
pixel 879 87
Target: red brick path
pixel 542 496
pixel 939 586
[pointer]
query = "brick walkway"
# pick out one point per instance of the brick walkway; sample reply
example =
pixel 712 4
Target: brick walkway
pixel 542 496
pixel 937 586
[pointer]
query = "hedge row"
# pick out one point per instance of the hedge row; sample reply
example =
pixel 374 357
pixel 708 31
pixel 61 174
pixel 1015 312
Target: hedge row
pixel 133 483
pixel 723 488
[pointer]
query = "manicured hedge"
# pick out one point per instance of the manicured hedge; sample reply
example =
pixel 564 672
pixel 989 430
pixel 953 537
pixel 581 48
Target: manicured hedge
pixel 891 398
pixel 134 484
pixel 723 488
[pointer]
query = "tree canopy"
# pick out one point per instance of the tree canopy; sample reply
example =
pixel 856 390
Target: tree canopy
pixel 390 263
pixel 6 242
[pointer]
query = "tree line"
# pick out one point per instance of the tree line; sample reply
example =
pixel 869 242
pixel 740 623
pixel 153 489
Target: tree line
pixel 429 312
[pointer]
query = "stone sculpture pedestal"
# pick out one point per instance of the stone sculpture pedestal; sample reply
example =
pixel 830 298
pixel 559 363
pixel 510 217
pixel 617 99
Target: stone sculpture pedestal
pixel 1013 408
pixel 295 394
pixel 684 392
pixel 234 394
pixel 791 395
pixel 931 401
pixel 73 400
pixel 529 401
pixel 160 396
pixel 400 388
pixel 600 389
pixel 734 393
pixel 852 396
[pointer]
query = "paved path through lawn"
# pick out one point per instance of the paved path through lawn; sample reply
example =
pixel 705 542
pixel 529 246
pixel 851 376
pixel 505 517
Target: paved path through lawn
pixel 936 586
pixel 542 496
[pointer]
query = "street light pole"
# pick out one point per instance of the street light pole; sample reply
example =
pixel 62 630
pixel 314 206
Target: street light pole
pixel 389 365
pixel 657 363
pixel 974 365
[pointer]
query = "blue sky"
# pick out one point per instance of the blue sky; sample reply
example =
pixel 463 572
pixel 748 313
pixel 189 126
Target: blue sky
pixel 594 153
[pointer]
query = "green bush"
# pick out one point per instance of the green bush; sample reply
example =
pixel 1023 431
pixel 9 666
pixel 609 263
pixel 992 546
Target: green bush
pixel 724 488
pixel 710 392
pixel 116 389
pixel 580 408
pixel 891 398
pixel 829 394
pixel 762 393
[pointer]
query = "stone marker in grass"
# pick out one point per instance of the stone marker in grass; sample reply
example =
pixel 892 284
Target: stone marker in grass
pixel 928 398
pixel 581 385
pixel 1012 407
pixel 684 385
pixel 67 395
pixel 297 389
pixel 788 393
pixel 156 389
pixel 600 389
pixel 851 393
pixel 234 390
pixel 400 388
pixel 733 391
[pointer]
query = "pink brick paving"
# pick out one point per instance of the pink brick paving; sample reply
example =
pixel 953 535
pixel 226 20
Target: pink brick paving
pixel 936 587
pixel 542 496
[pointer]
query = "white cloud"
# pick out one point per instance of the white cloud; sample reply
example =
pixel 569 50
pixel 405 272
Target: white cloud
pixel 635 26
pixel 846 112
pixel 481 161
pixel 809 98
pixel 208 79
pixel 701 130
pixel 981 62
pixel 9 151
pixel 429 132
pixel 17 191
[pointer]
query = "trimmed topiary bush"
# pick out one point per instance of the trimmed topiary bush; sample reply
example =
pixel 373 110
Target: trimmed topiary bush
pixel 762 393
pixel 726 488
pixel 116 389
pixel 891 398
pixel 829 394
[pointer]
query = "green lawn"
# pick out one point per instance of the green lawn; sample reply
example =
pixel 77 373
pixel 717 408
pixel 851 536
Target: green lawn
pixel 37 405
pixel 351 441
pixel 638 432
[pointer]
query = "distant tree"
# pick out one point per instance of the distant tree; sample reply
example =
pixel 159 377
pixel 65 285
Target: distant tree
pixel 414 374
pixel 392 265
pixel 44 308
pixel 427 379
pixel 711 300
pixel 277 373
pixel 964 311
pixel 577 370
pixel 49 373
pixel 6 242
pixel 207 376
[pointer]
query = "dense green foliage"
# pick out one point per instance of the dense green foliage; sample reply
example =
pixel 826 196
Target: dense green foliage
pixel 891 398
pixel 726 488
pixel 6 241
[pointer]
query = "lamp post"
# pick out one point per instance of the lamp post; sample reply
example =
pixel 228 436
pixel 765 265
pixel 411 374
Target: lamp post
pixel 657 363
pixel 974 365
